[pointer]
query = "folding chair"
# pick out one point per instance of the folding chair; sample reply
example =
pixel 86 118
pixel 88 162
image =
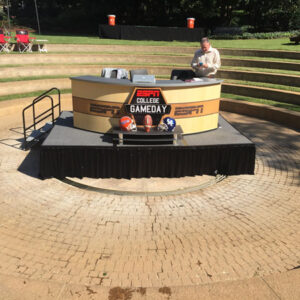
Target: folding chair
pixel 114 73
pixel 182 74
pixel 24 42
pixel 4 42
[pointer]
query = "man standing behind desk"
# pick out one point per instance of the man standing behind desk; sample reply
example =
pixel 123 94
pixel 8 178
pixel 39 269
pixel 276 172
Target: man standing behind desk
pixel 206 60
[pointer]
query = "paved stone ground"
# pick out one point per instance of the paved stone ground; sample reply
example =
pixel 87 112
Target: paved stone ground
pixel 242 227
pixel 278 286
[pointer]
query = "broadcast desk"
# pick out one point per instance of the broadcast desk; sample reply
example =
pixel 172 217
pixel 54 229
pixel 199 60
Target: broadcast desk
pixel 98 103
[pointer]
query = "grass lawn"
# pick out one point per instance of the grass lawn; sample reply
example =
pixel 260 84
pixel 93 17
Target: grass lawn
pixel 264 84
pixel 99 64
pixel 262 58
pixel 31 94
pixel 261 70
pixel 26 78
pixel 274 44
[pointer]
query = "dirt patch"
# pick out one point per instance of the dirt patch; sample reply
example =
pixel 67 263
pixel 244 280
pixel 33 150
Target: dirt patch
pixel 118 293
pixel 165 290
pixel 141 290
pixel 90 291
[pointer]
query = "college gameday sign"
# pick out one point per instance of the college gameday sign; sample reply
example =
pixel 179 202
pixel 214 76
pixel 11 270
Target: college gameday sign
pixel 147 101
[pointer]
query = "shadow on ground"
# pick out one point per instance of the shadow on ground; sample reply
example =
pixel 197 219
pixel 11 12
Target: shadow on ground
pixel 289 44
pixel 31 164
pixel 14 143
pixel 284 143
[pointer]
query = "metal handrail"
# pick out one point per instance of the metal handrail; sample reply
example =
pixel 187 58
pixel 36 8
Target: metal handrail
pixel 36 119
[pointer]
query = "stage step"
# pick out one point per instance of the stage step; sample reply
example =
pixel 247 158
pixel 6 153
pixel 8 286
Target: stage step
pixel 142 138
pixel 37 135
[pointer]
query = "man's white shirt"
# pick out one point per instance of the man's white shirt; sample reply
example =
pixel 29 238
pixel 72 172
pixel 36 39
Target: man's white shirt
pixel 211 58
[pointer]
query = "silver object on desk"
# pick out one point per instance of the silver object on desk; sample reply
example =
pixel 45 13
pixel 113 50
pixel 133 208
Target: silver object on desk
pixel 143 79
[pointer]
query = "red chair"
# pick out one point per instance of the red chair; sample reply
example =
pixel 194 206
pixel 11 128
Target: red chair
pixel 24 42
pixel 4 42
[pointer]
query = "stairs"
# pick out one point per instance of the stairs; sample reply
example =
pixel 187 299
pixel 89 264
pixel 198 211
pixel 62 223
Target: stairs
pixel 264 74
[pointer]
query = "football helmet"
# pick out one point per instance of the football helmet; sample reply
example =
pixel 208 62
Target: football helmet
pixel 162 127
pixel 170 123
pixel 127 124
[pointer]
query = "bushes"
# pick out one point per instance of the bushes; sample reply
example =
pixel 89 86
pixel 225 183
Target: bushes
pixel 257 35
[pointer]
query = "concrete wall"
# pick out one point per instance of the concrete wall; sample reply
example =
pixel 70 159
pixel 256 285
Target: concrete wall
pixel 289 80
pixel 261 53
pixel 281 116
pixel 264 93
pixel 260 64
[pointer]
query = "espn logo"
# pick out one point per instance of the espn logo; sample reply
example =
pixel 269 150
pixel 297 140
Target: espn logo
pixel 148 93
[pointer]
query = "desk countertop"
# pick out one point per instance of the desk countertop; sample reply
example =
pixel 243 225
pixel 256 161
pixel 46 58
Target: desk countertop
pixel 159 83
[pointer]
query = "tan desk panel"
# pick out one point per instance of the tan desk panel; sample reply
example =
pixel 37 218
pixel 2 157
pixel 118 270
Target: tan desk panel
pixel 191 94
pixel 98 106
pixel 117 110
pixel 101 91
pixel 121 93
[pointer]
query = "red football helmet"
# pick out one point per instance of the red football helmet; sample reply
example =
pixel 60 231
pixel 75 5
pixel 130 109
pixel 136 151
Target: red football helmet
pixel 127 124
pixel 147 123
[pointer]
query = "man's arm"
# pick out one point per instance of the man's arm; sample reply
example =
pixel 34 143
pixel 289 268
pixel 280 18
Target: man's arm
pixel 194 63
pixel 216 62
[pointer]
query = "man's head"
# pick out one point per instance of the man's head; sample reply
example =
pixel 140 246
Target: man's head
pixel 205 45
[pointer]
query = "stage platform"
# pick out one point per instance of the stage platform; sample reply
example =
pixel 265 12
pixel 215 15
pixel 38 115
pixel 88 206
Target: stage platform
pixel 72 152
pixel 150 33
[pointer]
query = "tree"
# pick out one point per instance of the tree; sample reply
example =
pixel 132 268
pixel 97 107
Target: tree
pixel 85 15
pixel 276 15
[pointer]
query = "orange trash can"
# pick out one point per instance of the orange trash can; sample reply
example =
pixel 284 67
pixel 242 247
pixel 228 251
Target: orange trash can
pixel 111 20
pixel 190 23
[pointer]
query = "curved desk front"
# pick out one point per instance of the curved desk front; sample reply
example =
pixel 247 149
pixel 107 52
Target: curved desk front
pixel 98 103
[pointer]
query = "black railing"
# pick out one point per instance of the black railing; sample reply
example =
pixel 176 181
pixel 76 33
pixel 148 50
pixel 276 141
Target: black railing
pixel 41 117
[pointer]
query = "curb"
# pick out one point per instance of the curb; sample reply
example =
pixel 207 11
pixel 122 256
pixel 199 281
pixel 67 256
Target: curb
pixel 179 191
pixel 28 86
pixel 75 70
pixel 32 59
pixel 262 92
pixel 115 58
pixel 263 64
pixel 261 53
pixel 273 78
pixel 282 116
pixel 71 69
pixel 181 49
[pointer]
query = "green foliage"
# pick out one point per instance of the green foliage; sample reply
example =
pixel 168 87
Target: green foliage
pixel 271 44
pixel 85 15
pixel 257 35
pixel 262 101
pixel 80 15
pixel 275 15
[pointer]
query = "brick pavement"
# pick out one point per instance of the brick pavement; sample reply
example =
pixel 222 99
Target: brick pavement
pixel 242 227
